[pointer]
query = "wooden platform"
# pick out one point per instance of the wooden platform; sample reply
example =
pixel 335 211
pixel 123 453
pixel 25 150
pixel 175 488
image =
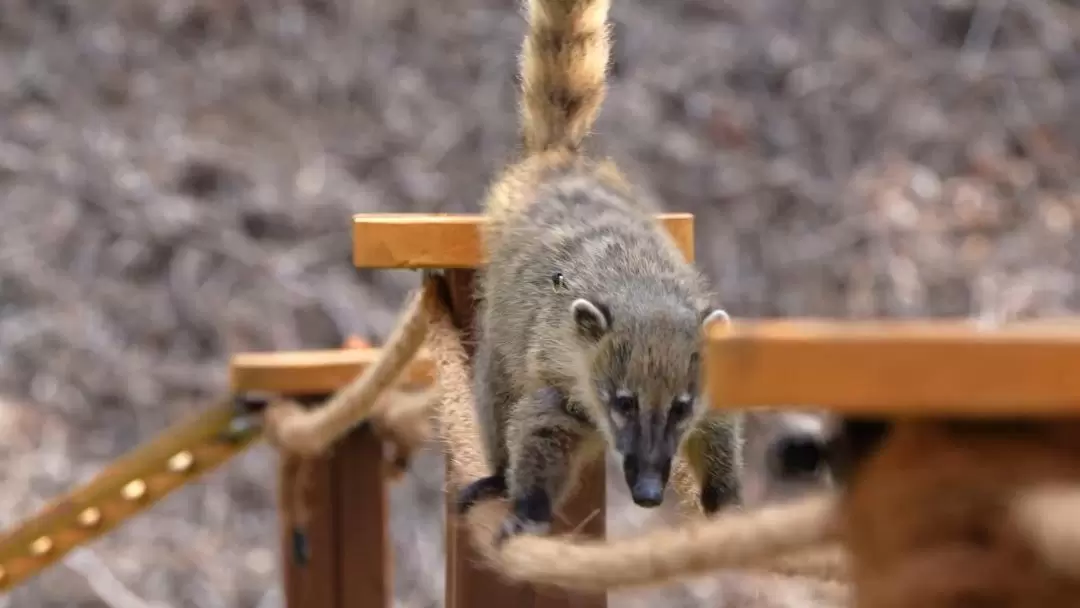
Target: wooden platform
pixel 413 240
pixel 897 368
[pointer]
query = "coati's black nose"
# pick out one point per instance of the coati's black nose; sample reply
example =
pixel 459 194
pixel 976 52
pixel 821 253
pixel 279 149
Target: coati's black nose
pixel 647 491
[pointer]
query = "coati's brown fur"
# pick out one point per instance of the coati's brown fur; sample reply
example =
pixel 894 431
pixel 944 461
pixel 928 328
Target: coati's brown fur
pixel 927 511
pixel 589 319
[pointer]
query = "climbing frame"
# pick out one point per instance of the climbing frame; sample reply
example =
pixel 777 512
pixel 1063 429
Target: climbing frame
pixel 452 243
pixel 341 557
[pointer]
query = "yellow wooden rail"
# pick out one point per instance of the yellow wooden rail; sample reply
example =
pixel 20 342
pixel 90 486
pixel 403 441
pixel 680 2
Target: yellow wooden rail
pixel 179 455
pixel 897 368
pixel 128 486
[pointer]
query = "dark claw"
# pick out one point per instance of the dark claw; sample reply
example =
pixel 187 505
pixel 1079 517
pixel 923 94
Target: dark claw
pixel 484 488
pixel 531 515
pixel 715 496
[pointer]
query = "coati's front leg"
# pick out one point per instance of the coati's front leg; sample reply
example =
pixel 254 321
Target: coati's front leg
pixel 714 452
pixel 489 390
pixel 544 439
pixel 485 488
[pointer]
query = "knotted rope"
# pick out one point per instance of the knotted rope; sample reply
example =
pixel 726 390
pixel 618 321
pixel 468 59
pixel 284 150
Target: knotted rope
pixel 311 432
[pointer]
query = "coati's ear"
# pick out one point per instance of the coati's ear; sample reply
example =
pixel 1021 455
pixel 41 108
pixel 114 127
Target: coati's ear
pixel 592 320
pixel 714 314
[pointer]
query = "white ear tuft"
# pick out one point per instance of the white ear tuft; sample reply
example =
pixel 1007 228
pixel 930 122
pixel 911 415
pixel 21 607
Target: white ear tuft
pixel 715 316
pixel 591 320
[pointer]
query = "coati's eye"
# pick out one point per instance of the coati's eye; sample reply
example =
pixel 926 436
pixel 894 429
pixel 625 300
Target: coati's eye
pixel 625 404
pixel 558 281
pixel 680 408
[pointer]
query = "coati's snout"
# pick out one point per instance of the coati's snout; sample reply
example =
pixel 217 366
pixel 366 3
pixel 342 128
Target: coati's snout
pixel 646 479
pixel 647 441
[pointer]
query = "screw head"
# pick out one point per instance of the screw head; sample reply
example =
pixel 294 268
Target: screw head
pixel 41 546
pixel 135 489
pixel 181 462
pixel 90 517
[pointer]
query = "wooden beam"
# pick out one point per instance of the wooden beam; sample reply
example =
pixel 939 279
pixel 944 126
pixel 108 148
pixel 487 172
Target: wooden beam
pixel 897 368
pixel 415 240
pixel 311 578
pixel 315 372
pixel 362 513
pixel 349 560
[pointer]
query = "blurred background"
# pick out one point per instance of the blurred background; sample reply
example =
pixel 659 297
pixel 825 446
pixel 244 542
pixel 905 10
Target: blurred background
pixel 177 176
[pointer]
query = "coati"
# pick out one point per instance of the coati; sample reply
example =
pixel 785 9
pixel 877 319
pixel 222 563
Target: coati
pixel 589 319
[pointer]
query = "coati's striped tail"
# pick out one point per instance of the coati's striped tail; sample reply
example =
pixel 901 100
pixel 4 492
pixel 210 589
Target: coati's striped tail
pixel 564 65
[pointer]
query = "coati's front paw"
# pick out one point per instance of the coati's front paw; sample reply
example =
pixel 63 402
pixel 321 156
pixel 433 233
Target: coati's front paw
pixel 493 486
pixel 716 496
pixel 531 515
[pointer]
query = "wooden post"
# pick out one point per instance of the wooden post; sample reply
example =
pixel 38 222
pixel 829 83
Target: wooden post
pixel 344 559
pixel 468 583
pixel 311 581
pixel 348 561
pixel 364 552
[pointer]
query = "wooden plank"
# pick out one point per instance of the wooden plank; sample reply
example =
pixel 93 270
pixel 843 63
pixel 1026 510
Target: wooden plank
pixel 314 583
pixel 415 240
pixel 365 558
pixel 468 583
pixel 898 368
pixel 315 371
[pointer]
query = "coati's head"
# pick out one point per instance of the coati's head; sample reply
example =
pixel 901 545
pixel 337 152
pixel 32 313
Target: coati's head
pixel 643 381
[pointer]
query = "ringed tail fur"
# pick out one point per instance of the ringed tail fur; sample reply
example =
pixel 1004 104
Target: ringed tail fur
pixel 564 63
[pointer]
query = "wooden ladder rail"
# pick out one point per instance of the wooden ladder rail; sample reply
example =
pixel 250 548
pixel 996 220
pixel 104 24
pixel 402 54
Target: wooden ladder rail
pixel 349 560
pixel 452 243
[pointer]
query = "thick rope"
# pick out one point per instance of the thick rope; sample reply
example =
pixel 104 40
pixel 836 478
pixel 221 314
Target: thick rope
pixel 730 540
pixel 828 563
pixel 312 432
pixel 403 419
pixel 400 418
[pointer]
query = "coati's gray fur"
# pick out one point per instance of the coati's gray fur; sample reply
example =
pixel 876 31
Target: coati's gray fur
pixel 590 320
